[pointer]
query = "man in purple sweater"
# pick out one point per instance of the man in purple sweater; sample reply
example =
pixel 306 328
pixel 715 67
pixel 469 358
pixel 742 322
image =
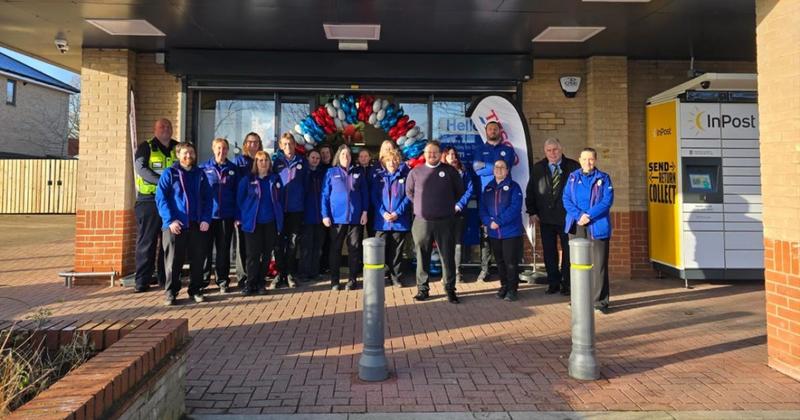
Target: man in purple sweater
pixel 434 189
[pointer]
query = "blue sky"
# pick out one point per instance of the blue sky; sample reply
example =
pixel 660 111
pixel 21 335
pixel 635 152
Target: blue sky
pixel 65 76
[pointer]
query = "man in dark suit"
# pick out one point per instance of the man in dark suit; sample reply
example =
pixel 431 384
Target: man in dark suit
pixel 544 205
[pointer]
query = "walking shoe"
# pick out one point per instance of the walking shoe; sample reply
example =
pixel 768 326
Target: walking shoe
pixel 246 291
pixel 261 291
pixel 290 280
pixel 396 283
pixel 511 296
pixel 602 309
pixel 198 298
pixel 335 286
pixel 551 290
pixel 502 292
pixel 223 290
pixel 483 275
pixel 273 284
pixel 422 295
pixel 169 300
pixel 451 296
pixel 142 289
pixel 351 285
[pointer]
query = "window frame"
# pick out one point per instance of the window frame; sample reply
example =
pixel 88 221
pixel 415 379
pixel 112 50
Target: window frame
pixel 13 100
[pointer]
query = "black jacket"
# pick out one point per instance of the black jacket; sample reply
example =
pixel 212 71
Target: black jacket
pixel 540 199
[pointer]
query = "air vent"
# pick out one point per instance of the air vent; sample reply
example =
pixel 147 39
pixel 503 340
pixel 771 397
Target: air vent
pixel 568 33
pixel 126 27
pixel 352 32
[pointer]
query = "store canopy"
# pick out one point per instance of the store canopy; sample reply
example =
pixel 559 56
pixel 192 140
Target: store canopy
pixel 656 29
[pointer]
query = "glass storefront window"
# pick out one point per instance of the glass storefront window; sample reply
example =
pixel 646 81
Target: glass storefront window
pixel 291 114
pixel 417 111
pixel 452 127
pixel 232 116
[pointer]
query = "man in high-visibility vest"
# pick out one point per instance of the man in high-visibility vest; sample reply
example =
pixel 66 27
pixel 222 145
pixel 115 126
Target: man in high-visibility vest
pixel 152 158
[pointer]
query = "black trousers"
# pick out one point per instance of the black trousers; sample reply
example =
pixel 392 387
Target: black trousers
pixel 311 250
pixel 507 254
pixel 600 286
pixel 149 256
pixel 395 242
pixel 326 250
pixel 220 237
pixel 286 251
pixel 354 234
pixel 458 238
pixel 259 246
pixel 192 242
pixel 550 235
pixel 424 233
pixel 241 257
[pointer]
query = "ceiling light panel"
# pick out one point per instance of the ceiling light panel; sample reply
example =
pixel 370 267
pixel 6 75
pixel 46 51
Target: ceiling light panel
pixel 352 31
pixel 126 27
pixel 568 33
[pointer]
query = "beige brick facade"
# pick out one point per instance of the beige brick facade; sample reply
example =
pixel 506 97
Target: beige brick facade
pixel 778 46
pixel 158 95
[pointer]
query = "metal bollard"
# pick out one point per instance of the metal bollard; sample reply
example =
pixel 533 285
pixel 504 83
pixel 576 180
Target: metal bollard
pixel 582 360
pixel 372 366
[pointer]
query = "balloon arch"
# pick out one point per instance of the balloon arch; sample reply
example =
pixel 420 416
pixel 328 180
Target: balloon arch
pixel 345 116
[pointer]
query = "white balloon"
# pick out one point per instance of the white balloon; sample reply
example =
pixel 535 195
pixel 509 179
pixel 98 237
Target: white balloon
pixel 384 103
pixel 402 140
pixel 337 104
pixel 331 110
pixel 377 124
pixel 298 129
pixel 300 140
pixel 413 132
pixel 373 118
pixel 308 138
pixel 376 106
pixel 338 123
pixel 381 115
pixel 340 114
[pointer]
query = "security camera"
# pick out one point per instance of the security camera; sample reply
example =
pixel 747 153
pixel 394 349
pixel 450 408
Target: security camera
pixel 705 84
pixel 62 45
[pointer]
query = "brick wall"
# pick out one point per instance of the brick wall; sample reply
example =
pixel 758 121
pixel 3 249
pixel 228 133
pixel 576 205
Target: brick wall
pixel 777 35
pixel 158 95
pixel 105 227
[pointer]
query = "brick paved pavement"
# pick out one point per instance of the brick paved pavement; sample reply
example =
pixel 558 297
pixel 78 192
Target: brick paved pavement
pixel 662 348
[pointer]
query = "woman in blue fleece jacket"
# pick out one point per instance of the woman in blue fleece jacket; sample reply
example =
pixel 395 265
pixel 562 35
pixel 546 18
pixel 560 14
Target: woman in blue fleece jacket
pixel 344 209
pixel 183 198
pixel 588 196
pixel 260 215
pixel 501 214
pixel 392 211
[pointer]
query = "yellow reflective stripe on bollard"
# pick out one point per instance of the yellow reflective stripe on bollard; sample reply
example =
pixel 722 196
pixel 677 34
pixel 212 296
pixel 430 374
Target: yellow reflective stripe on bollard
pixel 581 266
pixel 373 266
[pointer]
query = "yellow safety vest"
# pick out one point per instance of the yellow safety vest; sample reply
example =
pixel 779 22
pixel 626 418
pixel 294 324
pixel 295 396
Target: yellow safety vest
pixel 158 162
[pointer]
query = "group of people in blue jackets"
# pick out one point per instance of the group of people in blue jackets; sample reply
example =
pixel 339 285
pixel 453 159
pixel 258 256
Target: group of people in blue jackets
pixel 304 209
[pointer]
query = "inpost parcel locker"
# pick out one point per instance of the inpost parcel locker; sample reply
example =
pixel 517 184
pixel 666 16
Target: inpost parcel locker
pixel 703 179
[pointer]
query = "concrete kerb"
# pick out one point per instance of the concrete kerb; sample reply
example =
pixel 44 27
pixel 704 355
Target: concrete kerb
pixel 520 415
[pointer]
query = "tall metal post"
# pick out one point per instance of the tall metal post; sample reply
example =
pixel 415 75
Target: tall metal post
pixel 582 360
pixel 372 366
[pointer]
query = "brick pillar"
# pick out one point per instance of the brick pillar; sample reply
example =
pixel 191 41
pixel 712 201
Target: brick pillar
pixel 778 46
pixel 607 132
pixel 105 224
